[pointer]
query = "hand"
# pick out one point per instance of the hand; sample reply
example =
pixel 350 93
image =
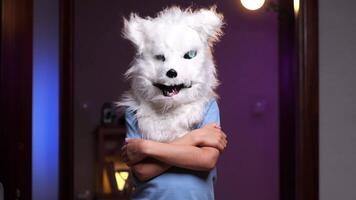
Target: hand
pixel 211 135
pixel 132 151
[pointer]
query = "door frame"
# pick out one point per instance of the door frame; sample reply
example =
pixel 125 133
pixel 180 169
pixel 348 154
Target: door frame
pixel 299 102
pixel 307 137
pixel 66 138
pixel 16 98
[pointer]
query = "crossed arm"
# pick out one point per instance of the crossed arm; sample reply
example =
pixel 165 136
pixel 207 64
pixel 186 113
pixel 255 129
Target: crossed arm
pixel 197 150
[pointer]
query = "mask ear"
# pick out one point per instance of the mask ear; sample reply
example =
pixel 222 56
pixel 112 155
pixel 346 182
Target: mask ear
pixel 208 23
pixel 134 31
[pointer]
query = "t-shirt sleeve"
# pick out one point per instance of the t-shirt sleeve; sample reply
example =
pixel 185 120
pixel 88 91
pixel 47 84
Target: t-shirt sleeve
pixel 211 114
pixel 131 125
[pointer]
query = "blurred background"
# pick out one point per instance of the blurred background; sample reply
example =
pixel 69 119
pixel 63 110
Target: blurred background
pixel 288 108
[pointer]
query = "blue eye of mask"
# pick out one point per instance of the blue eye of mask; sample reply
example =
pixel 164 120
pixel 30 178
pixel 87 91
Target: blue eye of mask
pixel 190 54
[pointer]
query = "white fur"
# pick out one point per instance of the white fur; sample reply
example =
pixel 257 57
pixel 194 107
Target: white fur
pixel 172 33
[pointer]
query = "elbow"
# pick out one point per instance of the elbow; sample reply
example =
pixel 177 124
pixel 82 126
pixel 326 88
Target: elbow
pixel 210 160
pixel 208 166
pixel 139 172
pixel 211 163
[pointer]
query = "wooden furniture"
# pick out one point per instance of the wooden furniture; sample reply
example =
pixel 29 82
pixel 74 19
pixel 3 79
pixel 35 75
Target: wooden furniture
pixel 112 173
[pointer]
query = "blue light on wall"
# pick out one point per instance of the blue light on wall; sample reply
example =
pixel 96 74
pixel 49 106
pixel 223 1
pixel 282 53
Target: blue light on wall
pixel 45 116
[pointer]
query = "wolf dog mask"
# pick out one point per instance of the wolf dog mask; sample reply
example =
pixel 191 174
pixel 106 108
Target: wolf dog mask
pixel 173 75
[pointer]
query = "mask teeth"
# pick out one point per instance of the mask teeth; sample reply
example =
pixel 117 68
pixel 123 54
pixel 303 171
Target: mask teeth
pixel 171 90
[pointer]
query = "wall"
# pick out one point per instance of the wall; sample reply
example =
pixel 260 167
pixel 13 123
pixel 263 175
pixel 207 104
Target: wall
pixel 337 24
pixel 247 60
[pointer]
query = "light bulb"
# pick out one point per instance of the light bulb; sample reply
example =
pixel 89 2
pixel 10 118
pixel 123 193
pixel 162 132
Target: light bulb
pixel 252 4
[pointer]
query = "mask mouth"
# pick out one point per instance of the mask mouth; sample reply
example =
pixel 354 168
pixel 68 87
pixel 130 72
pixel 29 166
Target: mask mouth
pixel 171 90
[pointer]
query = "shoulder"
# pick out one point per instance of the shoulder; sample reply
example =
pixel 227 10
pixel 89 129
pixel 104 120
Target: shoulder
pixel 211 114
pixel 131 124
pixel 212 105
pixel 130 116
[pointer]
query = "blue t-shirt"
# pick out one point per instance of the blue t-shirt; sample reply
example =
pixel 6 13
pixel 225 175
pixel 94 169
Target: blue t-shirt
pixel 176 183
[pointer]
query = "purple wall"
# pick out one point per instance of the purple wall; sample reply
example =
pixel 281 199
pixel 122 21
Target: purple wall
pixel 247 63
pixel 247 59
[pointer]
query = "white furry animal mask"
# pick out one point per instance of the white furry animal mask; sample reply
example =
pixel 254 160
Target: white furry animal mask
pixel 173 64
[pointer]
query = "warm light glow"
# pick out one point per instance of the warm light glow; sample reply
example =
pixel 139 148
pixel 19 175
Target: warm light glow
pixel 252 4
pixel 296 5
pixel 121 178
pixel 106 183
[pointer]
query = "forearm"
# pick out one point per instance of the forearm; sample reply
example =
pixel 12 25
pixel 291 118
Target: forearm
pixel 188 139
pixel 184 156
pixel 150 168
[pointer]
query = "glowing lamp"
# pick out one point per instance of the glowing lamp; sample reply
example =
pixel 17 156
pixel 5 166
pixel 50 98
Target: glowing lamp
pixel 121 177
pixel 252 4
pixel 296 5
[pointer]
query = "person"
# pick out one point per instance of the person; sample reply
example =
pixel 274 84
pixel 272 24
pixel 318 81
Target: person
pixel 183 169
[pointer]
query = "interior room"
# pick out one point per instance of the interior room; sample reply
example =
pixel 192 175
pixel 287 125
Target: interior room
pixel 285 98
